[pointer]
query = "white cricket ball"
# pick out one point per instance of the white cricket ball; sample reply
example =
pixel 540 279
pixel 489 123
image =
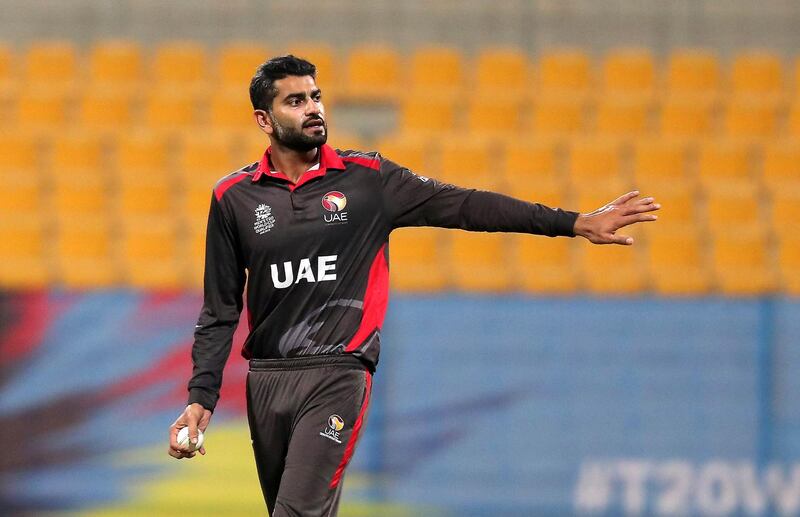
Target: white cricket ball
pixel 183 439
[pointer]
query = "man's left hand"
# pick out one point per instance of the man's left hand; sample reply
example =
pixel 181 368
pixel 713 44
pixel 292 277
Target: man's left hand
pixel 600 226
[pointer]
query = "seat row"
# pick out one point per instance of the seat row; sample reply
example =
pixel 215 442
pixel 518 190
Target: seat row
pixel 377 71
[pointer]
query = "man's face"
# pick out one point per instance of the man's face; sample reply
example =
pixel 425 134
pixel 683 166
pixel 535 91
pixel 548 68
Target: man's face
pixel 297 117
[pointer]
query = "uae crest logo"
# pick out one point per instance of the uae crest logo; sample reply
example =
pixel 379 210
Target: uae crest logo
pixel 264 219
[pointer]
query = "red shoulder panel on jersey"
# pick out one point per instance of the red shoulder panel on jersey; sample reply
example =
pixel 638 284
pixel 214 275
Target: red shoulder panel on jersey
pixel 225 185
pixel 372 163
pixel 376 300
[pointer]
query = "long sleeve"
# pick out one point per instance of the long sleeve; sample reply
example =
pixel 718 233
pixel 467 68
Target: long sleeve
pixel 222 304
pixel 413 200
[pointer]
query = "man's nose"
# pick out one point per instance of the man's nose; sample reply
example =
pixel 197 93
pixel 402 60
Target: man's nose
pixel 312 108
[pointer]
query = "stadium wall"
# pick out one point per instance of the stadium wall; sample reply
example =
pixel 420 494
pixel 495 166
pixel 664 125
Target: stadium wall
pixel 505 405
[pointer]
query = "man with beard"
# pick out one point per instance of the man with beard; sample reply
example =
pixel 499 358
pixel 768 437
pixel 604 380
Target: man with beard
pixel 306 230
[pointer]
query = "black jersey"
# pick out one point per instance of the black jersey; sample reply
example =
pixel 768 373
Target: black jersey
pixel 314 255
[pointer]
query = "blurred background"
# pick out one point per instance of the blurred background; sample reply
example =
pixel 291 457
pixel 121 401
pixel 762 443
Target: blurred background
pixel 520 375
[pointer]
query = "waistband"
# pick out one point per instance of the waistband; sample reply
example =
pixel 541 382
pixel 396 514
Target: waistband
pixel 307 362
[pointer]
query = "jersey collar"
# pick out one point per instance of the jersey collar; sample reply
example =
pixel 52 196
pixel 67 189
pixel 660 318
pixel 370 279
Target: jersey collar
pixel 328 159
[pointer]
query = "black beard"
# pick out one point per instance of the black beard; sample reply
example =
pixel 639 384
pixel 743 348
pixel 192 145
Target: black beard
pixel 297 140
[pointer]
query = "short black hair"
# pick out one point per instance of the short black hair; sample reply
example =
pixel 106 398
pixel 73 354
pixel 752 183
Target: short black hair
pixel 262 86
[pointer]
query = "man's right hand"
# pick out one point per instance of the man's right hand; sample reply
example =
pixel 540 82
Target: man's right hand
pixel 194 417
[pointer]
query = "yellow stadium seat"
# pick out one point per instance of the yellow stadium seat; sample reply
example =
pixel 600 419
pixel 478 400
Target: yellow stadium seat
pixel 231 110
pixel 22 193
pixel 529 161
pixel 781 168
pixel 138 196
pixel 503 71
pixel 793 128
pixel 116 63
pixel 422 114
pixel 558 115
pixel 687 117
pixel 409 151
pixel 417 259
pixel 85 253
pixel 494 116
pixel 141 153
pixel 611 270
pixel 567 71
pixel 468 162
pixel 750 118
pixel 676 263
pixel 86 196
pixel 659 161
pixel 629 71
pixel 7 64
pixel 436 69
pixel 789 263
pixel 237 62
pixel 106 110
pixel 593 161
pixel 202 159
pixel 543 265
pixel 693 72
pixel 180 65
pixel 250 146
pixel 328 75
pixel 194 203
pixel 679 203
pixel 23 251
pixel 723 160
pixel 741 263
pixel 53 64
pixel 169 109
pixel 623 116
pixel 479 261
pixel 757 73
pixel 19 155
pixel 733 206
pixel 785 209
pixel 373 73
pixel 9 79
pixel 149 253
pixel 77 151
pixel 39 110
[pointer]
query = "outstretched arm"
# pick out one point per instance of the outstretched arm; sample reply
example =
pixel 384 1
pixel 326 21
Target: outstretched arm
pixel 600 226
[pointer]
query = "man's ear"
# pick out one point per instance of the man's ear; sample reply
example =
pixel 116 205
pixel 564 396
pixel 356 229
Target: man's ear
pixel 263 120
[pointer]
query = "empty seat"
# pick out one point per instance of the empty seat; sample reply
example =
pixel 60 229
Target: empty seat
pixel 85 196
pixel 543 265
pixel 436 69
pixel 741 263
pixel 789 263
pixel 39 110
pixel 181 65
pixel 19 155
pixel 629 71
pixel 410 151
pixel 107 110
pixel 793 124
pixel 592 161
pixel 623 116
pixel 733 206
pixel 693 72
pixel 22 193
pixel 679 203
pixel 169 110
pixel 529 161
pixel 237 62
pixel 659 161
pixel 77 152
pixel 149 253
pixel 468 162
pixel 723 160
pixel 417 259
pixel 781 167
pixel 52 63
pixel 374 73
pixel 479 261
pixel 757 73
pixel 750 117
pixel 558 115
pixel 676 263
pixel 688 117
pixel 566 71
pixel 492 115
pixel 202 159
pixel 785 209
pixel 144 196
pixel 502 70
pixel 116 63
pixel 141 153
pixel 231 110
pixel 85 253
pixel 426 114
pixel 23 247
pixel 611 270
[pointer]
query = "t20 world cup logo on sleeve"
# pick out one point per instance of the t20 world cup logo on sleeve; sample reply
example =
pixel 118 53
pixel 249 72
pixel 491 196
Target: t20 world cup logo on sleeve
pixel 334 201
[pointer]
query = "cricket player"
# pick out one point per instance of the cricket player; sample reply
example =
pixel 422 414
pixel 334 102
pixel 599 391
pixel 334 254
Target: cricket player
pixel 306 230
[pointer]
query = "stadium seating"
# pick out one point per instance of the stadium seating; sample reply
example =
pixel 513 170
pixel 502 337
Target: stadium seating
pixel 502 71
pixel 544 265
pixel 416 258
pixel 478 262
pixel 237 62
pixel 373 74
pixel 693 72
pixel 565 71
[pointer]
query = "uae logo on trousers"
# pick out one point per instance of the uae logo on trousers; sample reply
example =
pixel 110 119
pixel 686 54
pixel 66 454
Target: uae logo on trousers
pixel 335 426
